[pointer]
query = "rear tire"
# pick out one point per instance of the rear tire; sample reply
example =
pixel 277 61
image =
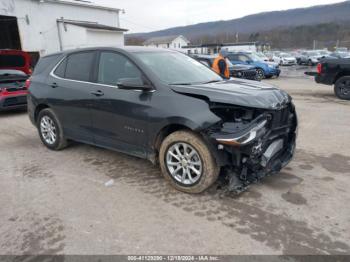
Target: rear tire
pixel 178 152
pixel 342 88
pixel 50 130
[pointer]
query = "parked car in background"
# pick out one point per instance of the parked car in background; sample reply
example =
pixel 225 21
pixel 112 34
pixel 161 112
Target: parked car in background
pixel 167 107
pixel 338 55
pixel 284 59
pixel 13 89
pixel 14 71
pixel 264 69
pixel 16 60
pixel 309 58
pixel 335 72
pixel 238 70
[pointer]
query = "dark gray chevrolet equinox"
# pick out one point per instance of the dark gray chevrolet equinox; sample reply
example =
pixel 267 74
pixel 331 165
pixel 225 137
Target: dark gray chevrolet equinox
pixel 166 107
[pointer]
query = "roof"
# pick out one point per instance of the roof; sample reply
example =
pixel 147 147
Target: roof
pixel 163 39
pixel 84 3
pixel 129 49
pixel 95 26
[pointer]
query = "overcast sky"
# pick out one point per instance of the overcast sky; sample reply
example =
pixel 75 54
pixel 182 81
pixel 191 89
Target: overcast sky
pixel 145 16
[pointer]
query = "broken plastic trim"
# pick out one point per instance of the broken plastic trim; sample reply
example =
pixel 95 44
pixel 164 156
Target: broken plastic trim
pixel 245 138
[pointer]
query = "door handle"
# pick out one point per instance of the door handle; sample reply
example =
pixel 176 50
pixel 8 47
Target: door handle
pixel 97 93
pixel 54 85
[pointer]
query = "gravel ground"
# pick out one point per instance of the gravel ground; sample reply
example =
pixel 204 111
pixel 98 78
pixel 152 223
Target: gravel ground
pixel 58 203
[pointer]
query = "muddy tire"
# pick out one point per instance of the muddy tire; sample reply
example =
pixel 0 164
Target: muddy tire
pixel 187 163
pixel 50 130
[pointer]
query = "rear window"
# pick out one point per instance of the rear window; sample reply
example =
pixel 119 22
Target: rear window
pixel 44 63
pixel 11 61
pixel 79 66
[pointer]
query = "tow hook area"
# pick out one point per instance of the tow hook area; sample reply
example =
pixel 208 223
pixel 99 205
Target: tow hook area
pixel 235 183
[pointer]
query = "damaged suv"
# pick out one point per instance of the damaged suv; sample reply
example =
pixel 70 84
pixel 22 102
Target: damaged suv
pixel 166 107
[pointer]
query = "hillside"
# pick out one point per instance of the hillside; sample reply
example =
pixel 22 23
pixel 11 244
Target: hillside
pixel 278 20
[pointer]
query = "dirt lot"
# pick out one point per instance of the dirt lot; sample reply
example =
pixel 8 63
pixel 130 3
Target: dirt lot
pixel 57 202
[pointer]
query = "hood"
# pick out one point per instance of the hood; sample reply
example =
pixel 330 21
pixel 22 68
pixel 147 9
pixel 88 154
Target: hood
pixel 239 92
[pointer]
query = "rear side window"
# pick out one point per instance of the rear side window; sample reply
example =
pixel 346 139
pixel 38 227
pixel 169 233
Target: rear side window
pixel 79 66
pixel 44 63
pixel 61 69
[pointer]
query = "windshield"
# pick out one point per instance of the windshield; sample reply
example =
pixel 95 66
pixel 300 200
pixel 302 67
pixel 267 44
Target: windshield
pixel 177 68
pixel 255 57
pixel 284 55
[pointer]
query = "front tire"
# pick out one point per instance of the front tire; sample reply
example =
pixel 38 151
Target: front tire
pixel 342 88
pixel 260 73
pixel 187 163
pixel 50 130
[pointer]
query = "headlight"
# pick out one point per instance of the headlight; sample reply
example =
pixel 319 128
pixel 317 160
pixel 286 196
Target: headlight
pixel 271 66
pixel 244 139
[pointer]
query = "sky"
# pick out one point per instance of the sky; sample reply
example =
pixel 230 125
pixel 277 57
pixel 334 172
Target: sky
pixel 147 16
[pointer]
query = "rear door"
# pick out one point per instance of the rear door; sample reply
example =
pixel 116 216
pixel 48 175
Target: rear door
pixel 70 85
pixel 119 116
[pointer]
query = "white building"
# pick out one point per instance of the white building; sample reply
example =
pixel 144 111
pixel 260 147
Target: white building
pixel 171 42
pixel 47 26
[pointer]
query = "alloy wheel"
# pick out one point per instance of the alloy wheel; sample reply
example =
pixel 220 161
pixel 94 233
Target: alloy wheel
pixel 184 163
pixel 48 130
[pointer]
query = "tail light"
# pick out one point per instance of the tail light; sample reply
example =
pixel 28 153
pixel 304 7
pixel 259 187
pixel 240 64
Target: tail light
pixel 319 68
pixel 27 83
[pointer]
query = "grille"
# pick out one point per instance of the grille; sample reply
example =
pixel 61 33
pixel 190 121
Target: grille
pixel 250 74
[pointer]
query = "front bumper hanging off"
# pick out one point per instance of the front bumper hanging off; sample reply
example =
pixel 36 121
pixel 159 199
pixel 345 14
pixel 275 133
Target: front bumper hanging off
pixel 263 148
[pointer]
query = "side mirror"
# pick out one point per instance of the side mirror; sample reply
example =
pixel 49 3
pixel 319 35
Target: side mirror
pixel 136 83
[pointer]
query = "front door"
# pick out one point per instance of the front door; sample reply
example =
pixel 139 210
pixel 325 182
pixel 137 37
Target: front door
pixel 119 116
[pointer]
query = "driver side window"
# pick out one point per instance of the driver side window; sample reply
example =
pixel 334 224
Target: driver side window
pixel 113 67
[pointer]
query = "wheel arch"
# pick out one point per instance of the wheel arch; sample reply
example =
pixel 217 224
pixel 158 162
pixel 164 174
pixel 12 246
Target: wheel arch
pixel 341 74
pixel 166 131
pixel 39 108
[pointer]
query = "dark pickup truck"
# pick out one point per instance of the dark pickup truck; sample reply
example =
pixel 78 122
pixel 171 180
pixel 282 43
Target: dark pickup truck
pixel 335 72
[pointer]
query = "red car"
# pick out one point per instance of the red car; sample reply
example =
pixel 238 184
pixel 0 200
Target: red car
pixel 14 73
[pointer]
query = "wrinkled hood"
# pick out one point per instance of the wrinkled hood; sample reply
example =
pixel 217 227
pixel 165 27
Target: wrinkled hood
pixel 239 92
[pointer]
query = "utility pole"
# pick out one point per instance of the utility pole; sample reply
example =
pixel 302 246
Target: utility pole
pixel 314 44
